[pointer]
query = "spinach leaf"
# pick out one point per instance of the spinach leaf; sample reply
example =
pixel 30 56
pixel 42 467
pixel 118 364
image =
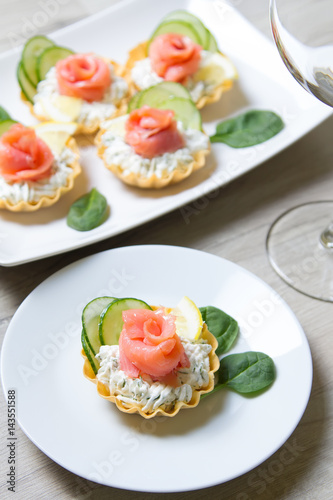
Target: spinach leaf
pixel 87 212
pixel 4 115
pixel 248 129
pixel 246 372
pixel 222 326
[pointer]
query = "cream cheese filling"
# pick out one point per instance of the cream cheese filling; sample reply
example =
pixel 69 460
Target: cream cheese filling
pixel 151 395
pixel 143 75
pixel 118 152
pixel 87 113
pixel 33 191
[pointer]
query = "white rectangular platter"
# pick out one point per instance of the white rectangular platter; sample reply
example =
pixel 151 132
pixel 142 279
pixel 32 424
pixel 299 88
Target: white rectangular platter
pixel 264 83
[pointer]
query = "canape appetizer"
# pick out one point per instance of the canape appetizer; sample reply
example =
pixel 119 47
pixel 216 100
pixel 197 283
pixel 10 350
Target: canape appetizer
pixel 159 142
pixel 182 49
pixel 148 360
pixel 37 165
pixel 60 85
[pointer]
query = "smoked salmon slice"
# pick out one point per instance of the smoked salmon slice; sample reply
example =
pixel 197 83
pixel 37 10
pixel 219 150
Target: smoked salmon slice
pixel 84 76
pixel 174 57
pixel 152 132
pixel 23 155
pixel 149 344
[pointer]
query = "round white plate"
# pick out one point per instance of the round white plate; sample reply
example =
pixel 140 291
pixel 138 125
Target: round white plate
pixel 224 437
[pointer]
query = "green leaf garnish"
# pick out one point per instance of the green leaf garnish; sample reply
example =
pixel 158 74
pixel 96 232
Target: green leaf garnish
pixel 4 115
pixel 222 326
pixel 87 212
pixel 245 373
pixel 248 129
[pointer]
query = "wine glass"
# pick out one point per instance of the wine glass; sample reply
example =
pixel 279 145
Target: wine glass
pixel 300 241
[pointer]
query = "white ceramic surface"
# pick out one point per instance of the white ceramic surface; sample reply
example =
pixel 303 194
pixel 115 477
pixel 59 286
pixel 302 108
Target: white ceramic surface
pixel 222 438
pixel 263 83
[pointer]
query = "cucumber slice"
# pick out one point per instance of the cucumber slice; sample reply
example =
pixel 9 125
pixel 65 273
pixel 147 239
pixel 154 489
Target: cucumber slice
pixel 27 88
pixel 49 57
pixel 174 26
pixel 31 51
pixel 94 363
pixel 207 39
pixel 90 320
pixel 184 15
pixel 133 104
pixel 5 125
pixel 160 92
pixel 152 97
pixel 4 115
pixel 175 89
pixel 211 43
pixel 112 321
pixel 185 111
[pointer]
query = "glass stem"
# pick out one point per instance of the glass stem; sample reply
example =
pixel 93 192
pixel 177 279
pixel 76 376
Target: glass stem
pixel 326 237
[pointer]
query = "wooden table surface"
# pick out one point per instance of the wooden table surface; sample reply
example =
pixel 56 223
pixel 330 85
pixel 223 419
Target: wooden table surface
pixel 245 209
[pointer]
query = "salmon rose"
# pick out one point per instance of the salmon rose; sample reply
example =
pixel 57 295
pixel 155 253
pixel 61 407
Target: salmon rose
pixel 149 344
pixel 84 76
pixel 23 155
pixel 152 132
pixel 174 57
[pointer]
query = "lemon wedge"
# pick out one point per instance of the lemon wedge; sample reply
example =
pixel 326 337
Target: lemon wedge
pixel 55 134
pixel 216 70
pixel 188 319
pixel 116 125
pixel 61 108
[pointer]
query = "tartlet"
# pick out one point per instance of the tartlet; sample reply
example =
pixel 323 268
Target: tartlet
pixel 140 53
pixel 63 143
pixel 74 109
pixel 104 391
pixel 149 175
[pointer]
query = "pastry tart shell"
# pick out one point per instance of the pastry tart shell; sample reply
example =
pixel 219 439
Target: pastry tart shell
pixel 153 181
pixel 83 128
pixel 104 391
pixel 47 201
pixel 140 52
